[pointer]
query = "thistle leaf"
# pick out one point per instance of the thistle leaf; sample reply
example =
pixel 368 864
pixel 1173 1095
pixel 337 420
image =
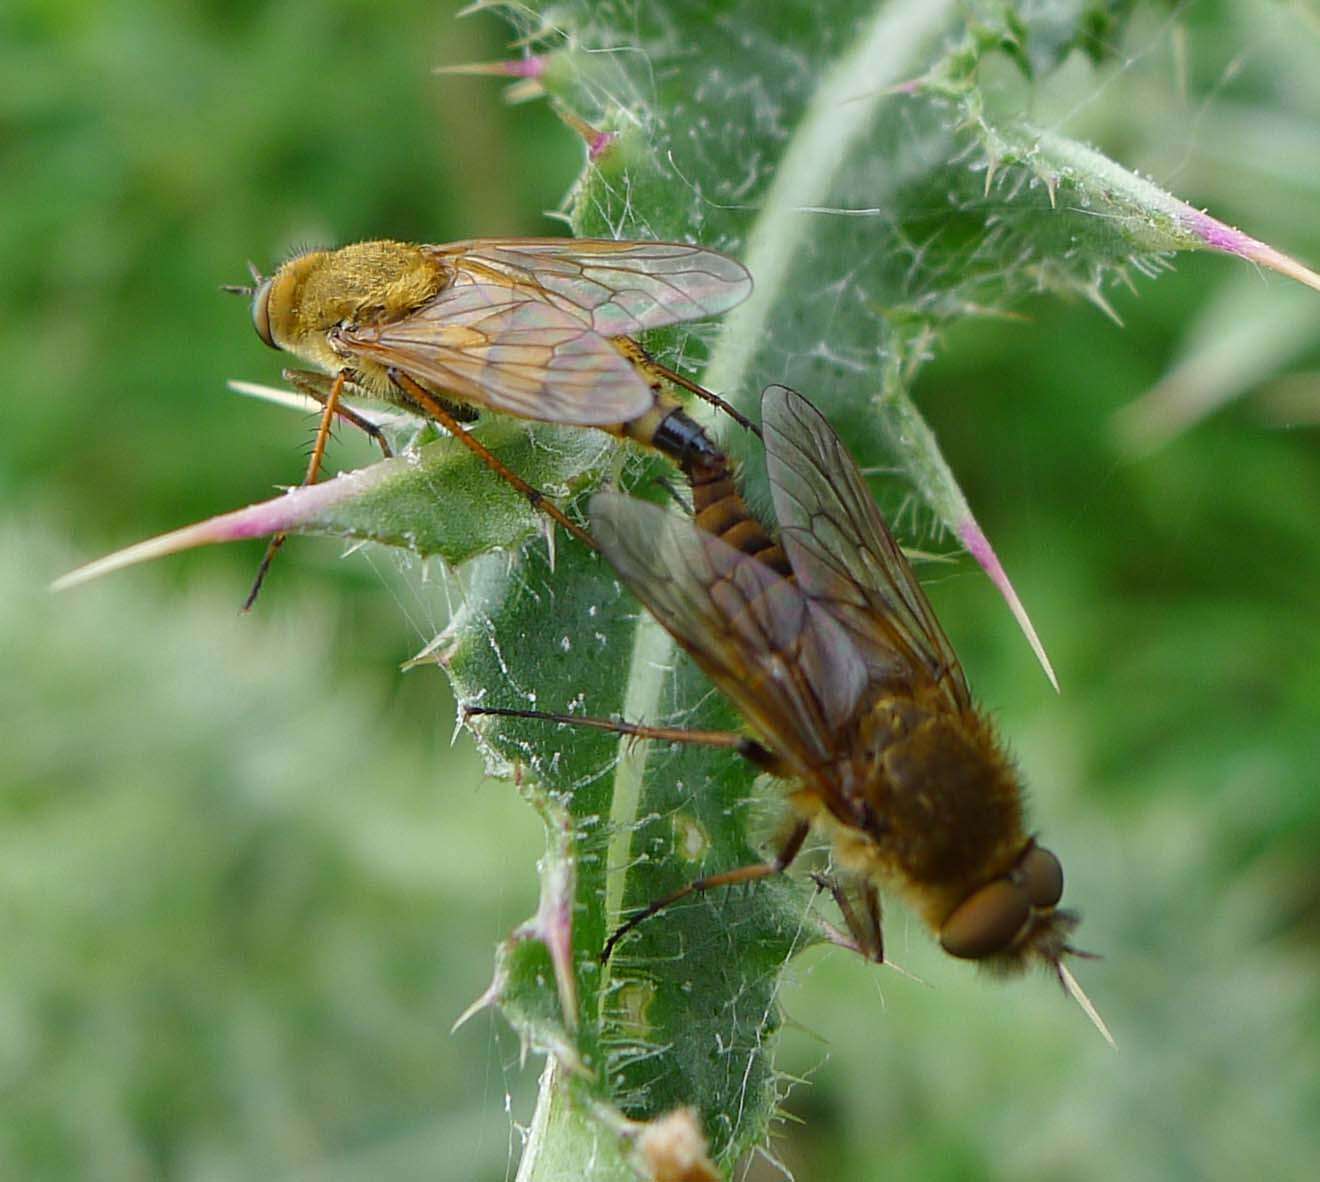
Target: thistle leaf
pixel 851 161
pixel 853 158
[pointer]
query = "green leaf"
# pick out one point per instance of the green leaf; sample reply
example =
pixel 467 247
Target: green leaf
pixel 873 170
pixel 437 499
pixel 636 823
pixel 1244 336
pixel 849 159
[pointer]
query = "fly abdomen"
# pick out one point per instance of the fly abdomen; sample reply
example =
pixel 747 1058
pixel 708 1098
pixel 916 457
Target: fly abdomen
pixel 717 505
pixel 721 510
pixel 686 443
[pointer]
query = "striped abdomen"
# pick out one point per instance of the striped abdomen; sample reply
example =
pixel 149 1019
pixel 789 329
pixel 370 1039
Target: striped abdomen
pixel 717 506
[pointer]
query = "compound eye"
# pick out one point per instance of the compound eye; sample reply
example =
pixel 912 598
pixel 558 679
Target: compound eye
pixel 261 313
pixel 1040 875
pixel 987 922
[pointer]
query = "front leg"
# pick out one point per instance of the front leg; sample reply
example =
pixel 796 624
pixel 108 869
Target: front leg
pixel 859 904
pixel 318 386
pixel 789 850
pixel 331 408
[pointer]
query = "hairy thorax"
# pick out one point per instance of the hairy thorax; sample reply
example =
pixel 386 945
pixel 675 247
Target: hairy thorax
pixel 368 283
pixel 935 804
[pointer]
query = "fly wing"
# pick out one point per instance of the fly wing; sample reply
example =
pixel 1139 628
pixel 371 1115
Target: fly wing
pixel 843 554
pixel 618 288
pixel 783 660
pixel 498 347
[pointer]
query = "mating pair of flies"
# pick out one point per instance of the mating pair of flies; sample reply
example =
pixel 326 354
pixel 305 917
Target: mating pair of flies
pixel 819 632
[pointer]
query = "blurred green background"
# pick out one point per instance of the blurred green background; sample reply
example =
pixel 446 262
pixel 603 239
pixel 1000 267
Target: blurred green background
pixel 246 881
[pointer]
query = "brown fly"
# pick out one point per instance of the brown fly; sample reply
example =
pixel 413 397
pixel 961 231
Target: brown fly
pixel 830 649
pixel 540 328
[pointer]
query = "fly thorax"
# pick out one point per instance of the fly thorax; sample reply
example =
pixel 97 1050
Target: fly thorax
pixel 368 283
pixel 952 800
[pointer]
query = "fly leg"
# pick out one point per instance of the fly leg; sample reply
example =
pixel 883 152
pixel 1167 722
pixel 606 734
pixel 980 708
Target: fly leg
pixel 650 366
pixel 861 914
pixel 749 749
pixel 317 387
pixel 436 409
pixel 331 408
pixel 674 495
pixel 777 865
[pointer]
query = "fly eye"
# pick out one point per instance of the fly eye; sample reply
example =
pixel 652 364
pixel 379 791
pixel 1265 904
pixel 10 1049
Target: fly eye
pixel 987 922
pixel 261 313
pixel 1041 875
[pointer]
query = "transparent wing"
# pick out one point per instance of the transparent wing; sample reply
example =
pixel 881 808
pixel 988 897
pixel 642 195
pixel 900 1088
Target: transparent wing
pixel 618 288
pixel 782 659
pixel 843 553
pixel 511 351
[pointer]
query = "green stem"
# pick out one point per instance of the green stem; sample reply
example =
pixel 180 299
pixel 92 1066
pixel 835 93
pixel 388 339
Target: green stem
pixel 891 48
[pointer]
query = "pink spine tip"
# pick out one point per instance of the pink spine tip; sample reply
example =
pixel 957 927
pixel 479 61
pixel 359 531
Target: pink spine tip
pixel 600 143
pixel 978 546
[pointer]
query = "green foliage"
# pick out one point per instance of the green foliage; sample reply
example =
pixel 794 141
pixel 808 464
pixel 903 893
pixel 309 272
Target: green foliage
pixel 204 974
pixel 222 898
pixel 683 1012
pixel 873 195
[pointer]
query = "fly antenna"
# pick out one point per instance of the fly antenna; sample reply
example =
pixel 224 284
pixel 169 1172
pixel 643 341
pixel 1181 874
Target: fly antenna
pixel 245 289
pixel 1074 990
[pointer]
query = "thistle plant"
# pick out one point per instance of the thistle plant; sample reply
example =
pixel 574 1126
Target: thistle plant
pixel 877 168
